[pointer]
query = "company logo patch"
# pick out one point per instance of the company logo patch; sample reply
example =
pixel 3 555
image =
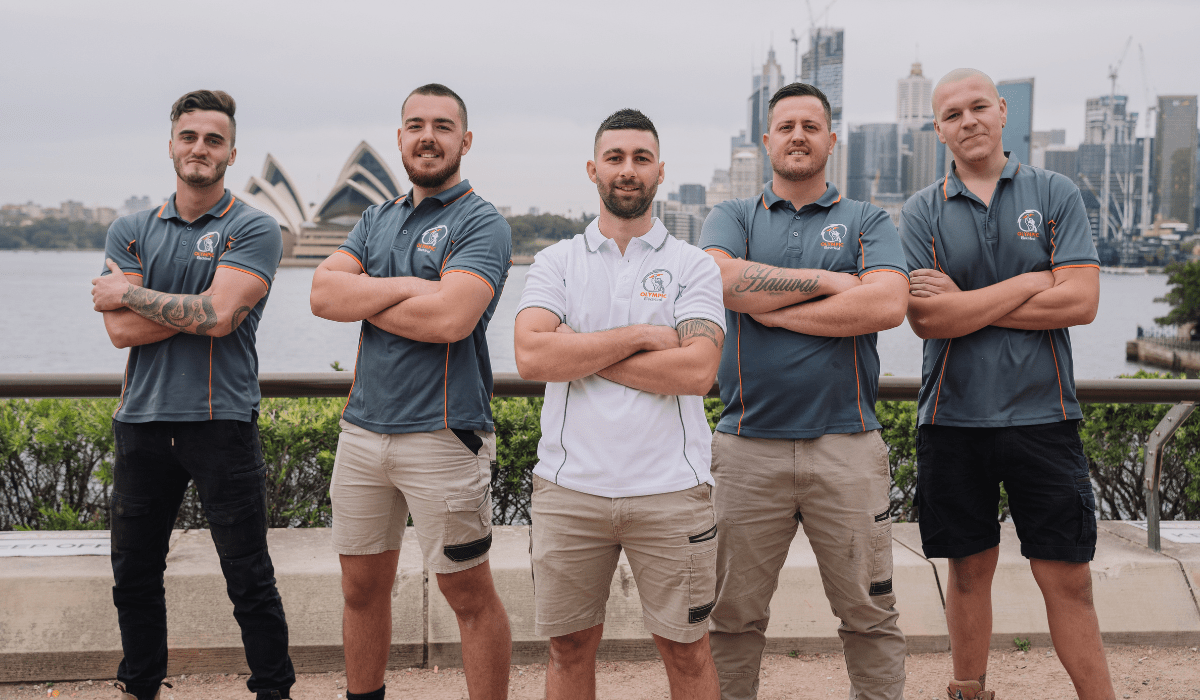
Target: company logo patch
pixel 430 238
pixel 1029 224
pixel 832 235
pixel 655 285
pixel 206 245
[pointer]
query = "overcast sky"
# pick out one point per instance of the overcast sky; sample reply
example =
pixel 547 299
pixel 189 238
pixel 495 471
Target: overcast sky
pixel 85 87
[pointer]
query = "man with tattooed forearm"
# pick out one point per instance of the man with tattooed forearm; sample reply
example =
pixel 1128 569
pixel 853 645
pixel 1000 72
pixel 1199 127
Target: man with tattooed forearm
pixel 184 287
pixel 809 278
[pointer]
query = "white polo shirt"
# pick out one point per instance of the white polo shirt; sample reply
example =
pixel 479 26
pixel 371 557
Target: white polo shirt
pixel 600 437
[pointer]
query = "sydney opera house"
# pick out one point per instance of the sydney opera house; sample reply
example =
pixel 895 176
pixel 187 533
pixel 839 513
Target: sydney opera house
pixel 310 234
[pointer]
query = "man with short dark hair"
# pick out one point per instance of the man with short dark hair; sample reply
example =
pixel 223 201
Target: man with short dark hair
pixel 809 279
pixel 1002 263
pixel 624 323
pixel 423 274
pixel 184 288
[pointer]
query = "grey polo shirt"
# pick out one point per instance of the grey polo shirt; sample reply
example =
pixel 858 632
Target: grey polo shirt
pixel 406 386
pixel 193 377
pixel 998 377
pixel 777 383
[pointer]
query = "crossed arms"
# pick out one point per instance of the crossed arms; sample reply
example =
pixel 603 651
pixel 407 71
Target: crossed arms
pixel 657 359
pixel 134 315
pixel 813 302
pixel 1035 301
pixel 428 311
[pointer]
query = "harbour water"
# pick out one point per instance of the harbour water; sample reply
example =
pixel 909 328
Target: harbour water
pixel 48 324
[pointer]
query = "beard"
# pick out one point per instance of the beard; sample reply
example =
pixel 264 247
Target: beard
pixel 198 179
pixel 797 172
pixel 426 179
pixel 625 208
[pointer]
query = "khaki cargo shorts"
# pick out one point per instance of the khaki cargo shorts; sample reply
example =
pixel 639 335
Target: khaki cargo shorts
pixel 670 540
pixel 379 479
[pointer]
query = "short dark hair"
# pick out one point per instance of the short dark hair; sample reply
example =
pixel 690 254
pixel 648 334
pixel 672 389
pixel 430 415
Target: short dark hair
pixel 206 101
pixel 800 90
pixel 439 90
pixel 626 119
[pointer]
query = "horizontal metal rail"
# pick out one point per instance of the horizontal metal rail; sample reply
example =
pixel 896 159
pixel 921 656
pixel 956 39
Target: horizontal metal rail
pixel 279 384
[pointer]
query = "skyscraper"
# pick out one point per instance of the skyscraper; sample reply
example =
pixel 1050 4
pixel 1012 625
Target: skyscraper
pixel 765 84
pixel 822 67
pixel 745 171
pixel 1175 158
pixel 874 161
pixel 1017 132
pixel 1096 115
pixel 913 100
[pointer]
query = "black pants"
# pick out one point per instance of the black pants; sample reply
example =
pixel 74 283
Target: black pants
pixel 154 463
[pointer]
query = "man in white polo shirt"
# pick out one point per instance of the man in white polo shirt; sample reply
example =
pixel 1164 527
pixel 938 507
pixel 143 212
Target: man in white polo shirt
pixel 625 323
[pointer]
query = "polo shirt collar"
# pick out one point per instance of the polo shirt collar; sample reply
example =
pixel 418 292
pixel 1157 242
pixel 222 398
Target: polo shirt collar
pixel 655 237
pixel 830 198
pixel 953 185
pixel 221 208
pixel 446 197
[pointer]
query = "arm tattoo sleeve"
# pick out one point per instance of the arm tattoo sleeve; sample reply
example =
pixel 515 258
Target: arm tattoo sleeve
pixel 773 280
pixel 697 327
pixel 187 313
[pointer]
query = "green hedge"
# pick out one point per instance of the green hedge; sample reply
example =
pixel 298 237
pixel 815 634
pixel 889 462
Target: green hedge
pixel 57 461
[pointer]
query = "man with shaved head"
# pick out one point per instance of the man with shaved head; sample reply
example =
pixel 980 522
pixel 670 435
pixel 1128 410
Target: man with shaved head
pixel 1002 263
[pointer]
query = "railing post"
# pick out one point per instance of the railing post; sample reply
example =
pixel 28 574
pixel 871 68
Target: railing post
pixel 1153 470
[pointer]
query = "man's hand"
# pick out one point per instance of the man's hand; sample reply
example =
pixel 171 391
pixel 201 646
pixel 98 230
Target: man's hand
pixel 109 290
pixel 929 283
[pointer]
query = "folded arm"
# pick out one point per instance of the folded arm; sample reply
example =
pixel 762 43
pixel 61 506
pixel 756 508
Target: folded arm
pixel 875 305
pixel 447 315
pixel 215 312
pixel 937 308
pixel 1072 301
pixel 749 287
pixel 127 329
pixel 688 370
pixel 547 350
pixel 343 291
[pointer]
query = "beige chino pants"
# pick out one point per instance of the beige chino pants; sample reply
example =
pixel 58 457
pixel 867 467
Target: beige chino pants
pixel 837 487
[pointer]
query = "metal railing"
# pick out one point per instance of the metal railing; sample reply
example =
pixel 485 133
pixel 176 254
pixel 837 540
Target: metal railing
pixel 1184 393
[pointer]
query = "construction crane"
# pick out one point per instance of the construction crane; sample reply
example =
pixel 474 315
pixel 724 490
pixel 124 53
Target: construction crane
pixel 1151 108
pixel 795 57
pixel 1108 126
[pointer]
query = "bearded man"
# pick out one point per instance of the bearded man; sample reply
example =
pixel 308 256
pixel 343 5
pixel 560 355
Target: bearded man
pixel 798 442
pixel 184 288
pixel 422 274
pixel 624 323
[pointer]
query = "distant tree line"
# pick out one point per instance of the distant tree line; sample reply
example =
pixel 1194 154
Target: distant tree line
pixel 53 234
pixel 532 233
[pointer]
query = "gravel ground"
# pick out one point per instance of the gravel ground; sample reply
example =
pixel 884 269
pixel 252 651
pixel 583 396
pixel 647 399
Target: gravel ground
pixel 1161 673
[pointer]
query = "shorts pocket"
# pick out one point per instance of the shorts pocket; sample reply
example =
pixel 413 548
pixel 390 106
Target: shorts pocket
pixel 1087 498
pixel 702 583
pixel 468 528
pixel 881 549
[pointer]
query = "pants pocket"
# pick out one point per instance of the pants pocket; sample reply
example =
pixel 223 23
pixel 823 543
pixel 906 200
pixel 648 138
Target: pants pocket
pixel 1087 498
pixel 238 529
pixel 702 583
pixel 881 548
pixel 468 526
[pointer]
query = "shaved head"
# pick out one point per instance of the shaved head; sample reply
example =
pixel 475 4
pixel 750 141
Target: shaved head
pixel 960 74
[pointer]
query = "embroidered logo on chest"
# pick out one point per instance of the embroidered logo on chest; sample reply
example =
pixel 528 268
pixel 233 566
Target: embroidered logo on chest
pixel 832 236
pixel 1029 224
pixel 206 245
pixel 654 285
pixel 430 238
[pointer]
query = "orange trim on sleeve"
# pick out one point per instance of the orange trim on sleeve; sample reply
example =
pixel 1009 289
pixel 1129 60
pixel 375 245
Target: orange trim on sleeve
pixel 232 199
pixel 134 274
pixel 446 390
pixel 946 361
pixel 129 249
pixel 883 269
pixel 364 269
pixel 468 272
pixel 741 386
pixel 1061 404
pixel 353 377
pixel 1063 267
pixel 464 194
pixel 718 250
pixel 211 341
pixel 858 385
pixel 247 272
pixel 1053 243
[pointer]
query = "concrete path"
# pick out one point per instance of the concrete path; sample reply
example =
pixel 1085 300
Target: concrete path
pixel 57 621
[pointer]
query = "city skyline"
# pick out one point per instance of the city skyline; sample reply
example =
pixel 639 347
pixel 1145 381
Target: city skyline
pixel 309 101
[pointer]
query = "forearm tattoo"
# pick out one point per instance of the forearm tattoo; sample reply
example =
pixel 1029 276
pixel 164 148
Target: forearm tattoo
pixel 695 327
pixel 774 280
pixel 238 317
pixel 188 313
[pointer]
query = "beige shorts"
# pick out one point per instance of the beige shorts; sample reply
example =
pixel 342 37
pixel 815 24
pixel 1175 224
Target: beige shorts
pixel 670 540
pixel 378 479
